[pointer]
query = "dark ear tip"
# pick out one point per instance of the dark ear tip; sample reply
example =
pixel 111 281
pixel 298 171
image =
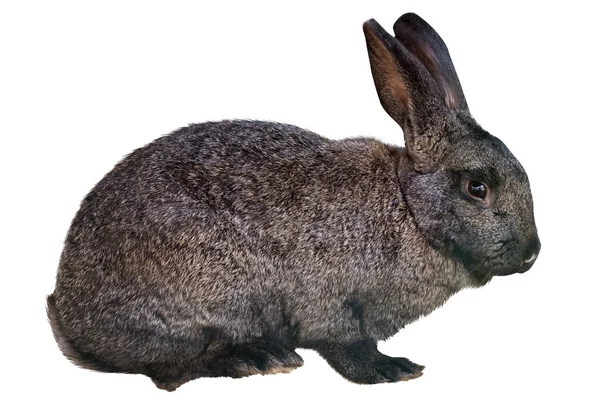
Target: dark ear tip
pixel 371 28
pixel 371 25
pixel 411 20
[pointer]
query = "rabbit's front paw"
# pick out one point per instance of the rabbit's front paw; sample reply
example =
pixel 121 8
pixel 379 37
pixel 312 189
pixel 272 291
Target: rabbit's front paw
pixel 361 362
pixel 394 369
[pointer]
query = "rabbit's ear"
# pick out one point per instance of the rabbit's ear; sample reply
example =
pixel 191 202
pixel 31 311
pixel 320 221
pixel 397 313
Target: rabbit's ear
pixel 418 37
pixel 409 95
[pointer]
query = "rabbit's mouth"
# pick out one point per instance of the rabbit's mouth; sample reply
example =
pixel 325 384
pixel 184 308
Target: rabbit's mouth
pixel 484 275
pixel 507 257
pixel 523 267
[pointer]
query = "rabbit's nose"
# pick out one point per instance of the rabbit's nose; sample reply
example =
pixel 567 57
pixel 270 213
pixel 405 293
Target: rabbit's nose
pixel 531 254
pixel 530 259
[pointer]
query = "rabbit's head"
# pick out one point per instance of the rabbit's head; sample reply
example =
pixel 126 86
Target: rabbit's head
pixel 468 194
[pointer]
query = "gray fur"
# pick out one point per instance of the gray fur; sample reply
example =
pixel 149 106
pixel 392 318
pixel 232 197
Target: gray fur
pixel 220 248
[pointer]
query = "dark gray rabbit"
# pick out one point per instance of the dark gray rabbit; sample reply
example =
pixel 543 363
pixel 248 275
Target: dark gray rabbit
pixel 219 249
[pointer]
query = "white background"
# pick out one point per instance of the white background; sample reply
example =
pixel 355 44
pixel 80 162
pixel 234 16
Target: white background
pixel 82 85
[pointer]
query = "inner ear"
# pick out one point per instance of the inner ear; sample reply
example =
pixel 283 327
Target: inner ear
pixel 419 38
pixel 391 88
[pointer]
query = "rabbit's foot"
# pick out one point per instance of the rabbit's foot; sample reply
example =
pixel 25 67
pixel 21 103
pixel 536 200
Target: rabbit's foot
pixel 239 360
pixel 232 360
pixel 361 362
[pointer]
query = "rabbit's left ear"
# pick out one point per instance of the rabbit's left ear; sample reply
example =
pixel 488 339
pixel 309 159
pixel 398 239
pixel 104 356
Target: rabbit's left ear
pixel 410 95
pixel 427 46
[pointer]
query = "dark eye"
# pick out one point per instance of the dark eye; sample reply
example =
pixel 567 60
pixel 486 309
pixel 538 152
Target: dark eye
pixel 477 190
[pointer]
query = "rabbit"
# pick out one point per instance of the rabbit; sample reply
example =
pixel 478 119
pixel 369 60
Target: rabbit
pixel 221 248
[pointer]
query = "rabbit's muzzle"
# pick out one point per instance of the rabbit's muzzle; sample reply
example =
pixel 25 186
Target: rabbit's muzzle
pixel 528 258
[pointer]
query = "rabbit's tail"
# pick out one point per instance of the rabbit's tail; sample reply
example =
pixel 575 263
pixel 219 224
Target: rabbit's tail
pixel 67 347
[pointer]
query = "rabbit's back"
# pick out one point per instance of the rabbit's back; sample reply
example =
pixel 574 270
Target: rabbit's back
pixel 223 229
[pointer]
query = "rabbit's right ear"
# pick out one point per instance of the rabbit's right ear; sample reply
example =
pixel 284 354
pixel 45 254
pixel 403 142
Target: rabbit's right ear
pixel 424 42
pixel 410 95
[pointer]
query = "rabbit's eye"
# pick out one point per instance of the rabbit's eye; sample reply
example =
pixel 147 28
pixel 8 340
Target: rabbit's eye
pixel 477 189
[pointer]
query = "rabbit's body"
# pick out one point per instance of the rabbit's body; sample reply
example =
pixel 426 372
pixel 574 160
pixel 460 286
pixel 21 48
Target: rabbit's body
pixel 250 230
pixel 219 249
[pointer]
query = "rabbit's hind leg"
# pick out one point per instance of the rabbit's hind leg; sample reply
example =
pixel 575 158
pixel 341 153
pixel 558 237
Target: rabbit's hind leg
pixel 228 360
pixel 258 357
